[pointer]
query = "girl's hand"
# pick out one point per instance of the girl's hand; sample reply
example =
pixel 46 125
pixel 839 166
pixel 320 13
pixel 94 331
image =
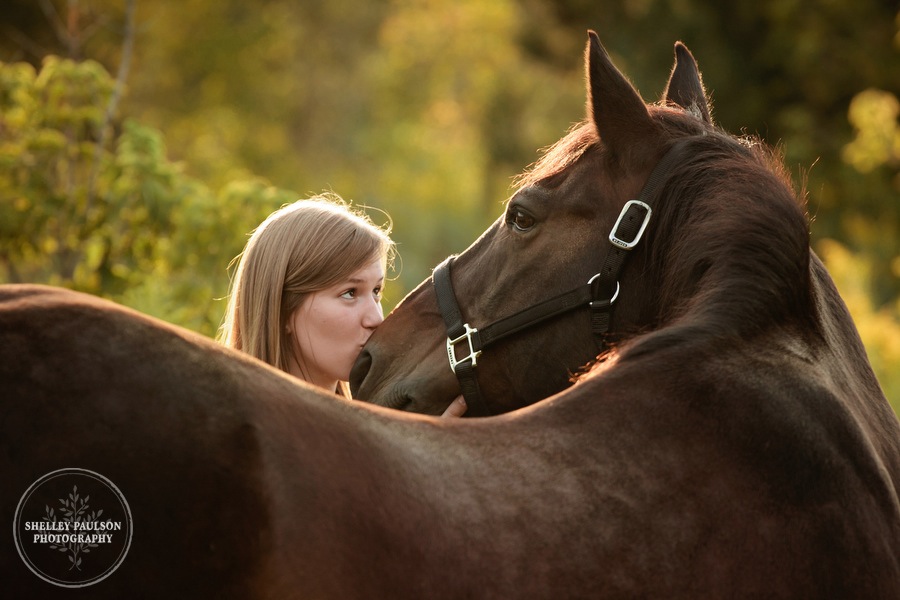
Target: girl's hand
pixel 457 408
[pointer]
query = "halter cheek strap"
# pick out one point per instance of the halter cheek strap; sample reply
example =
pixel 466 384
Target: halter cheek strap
pixel 465 344
pixel 457 331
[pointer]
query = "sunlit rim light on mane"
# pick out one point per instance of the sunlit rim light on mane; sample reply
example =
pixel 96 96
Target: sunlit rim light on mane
pixel 560 155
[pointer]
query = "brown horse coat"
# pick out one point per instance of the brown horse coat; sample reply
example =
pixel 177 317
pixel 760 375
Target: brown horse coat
pixel 245 484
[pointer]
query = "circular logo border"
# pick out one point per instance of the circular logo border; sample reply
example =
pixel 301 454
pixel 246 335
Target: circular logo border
pixel 59 473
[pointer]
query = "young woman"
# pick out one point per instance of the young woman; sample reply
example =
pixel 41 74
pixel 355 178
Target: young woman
pixel 306 295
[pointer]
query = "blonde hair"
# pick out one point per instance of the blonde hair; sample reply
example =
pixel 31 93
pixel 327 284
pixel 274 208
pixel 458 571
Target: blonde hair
pixel 299 249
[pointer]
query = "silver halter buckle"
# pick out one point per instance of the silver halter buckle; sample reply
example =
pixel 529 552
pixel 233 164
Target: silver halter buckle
pixel 451 348
pixel 616 240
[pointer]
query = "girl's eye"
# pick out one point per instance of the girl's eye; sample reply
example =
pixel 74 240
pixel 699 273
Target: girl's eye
pixel 351 293
pixel 520 219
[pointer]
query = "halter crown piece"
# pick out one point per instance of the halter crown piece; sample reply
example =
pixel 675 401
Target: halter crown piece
pixel 599 294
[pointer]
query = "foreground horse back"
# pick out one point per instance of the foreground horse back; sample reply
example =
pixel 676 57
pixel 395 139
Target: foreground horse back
pixel 242 482
pixel 245 484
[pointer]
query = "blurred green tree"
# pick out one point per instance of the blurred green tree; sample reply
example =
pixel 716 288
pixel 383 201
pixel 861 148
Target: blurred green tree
pixel 121 222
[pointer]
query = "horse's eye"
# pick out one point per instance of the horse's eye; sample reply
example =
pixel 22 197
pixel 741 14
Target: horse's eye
pixel 520 219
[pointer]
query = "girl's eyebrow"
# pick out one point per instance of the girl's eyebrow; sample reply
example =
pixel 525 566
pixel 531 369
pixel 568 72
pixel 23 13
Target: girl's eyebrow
pixel 357 280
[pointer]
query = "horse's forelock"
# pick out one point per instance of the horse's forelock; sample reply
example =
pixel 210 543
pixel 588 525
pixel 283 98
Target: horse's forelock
pixel 560 155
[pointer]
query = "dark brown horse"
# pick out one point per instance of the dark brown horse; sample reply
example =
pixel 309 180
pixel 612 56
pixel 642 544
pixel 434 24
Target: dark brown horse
pixel 724 262
pixel 726 330
pixel 708 457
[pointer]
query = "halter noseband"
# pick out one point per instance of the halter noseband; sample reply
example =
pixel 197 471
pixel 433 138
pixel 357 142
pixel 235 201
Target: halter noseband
pixel 598 294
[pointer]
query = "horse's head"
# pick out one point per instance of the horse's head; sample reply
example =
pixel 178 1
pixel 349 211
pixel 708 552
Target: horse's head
pixel 553 237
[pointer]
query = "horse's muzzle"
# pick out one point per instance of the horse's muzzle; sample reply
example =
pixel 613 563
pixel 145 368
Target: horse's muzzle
pixel 358 374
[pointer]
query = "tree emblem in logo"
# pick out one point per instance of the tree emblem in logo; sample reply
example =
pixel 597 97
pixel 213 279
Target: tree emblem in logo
pixel 74 510
pixel 61 539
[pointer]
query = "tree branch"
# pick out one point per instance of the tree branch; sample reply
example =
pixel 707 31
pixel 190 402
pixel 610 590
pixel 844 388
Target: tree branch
pixel 124 66
pixel 56 22
pixel 114 99
pixel 28 45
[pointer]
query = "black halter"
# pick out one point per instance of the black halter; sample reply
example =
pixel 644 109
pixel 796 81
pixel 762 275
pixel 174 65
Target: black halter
pixel 598 294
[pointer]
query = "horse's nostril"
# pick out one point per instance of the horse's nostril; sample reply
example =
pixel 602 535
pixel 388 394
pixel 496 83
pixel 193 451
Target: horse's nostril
pixel 359 371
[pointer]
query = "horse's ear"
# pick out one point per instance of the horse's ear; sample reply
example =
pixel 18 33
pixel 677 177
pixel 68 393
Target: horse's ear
pixel 613 104
pixel 685 86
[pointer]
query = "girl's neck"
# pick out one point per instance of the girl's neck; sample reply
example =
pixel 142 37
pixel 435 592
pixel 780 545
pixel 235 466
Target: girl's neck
pixel 321 382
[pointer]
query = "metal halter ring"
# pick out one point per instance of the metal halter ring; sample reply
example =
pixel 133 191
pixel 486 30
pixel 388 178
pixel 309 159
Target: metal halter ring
pixel 603 302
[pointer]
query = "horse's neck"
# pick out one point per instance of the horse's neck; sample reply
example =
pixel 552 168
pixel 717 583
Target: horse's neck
pixel 843 350
pixel 820 332
pixel 843 363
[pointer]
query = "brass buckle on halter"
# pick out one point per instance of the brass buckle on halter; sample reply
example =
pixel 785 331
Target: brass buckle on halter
pixel 619 242
pixel 451 348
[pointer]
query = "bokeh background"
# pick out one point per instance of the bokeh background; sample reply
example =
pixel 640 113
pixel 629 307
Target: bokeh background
pixel 142 140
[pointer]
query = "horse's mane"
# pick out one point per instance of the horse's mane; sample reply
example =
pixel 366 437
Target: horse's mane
pixel 729 250
pixel 727 253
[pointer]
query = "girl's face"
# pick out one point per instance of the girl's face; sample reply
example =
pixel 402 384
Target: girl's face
pixel 331 326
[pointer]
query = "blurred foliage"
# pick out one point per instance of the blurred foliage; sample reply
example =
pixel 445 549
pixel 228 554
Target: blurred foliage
pixel 424 109
pixel 124 222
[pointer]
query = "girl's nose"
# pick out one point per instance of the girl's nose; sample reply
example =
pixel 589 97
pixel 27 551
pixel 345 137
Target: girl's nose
pixel 374 315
